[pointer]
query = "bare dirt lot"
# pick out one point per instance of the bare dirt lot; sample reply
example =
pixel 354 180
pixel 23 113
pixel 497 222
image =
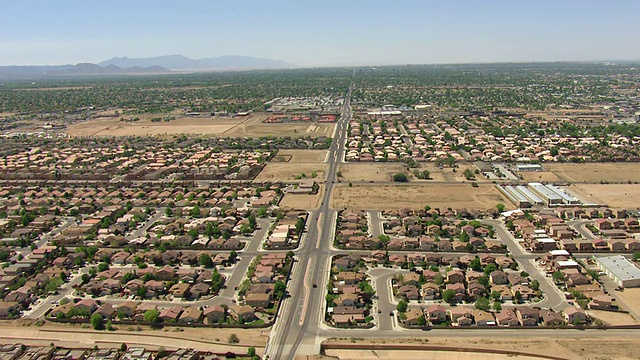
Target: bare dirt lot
pixel 539 176
pixel 254 127
pixel 207 339
pixel 615 195
pixel 573 346
pixel 292 164
pixel 115 127
pixel 613 318
pixel 370 171
pixel 380 197
pixel 251 126
pixel 300 156
pixel 301 201
pixel 596 172
pixel 631 299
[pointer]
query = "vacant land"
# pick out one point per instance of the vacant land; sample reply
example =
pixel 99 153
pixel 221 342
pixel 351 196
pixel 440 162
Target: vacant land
pixel 596 172
pixel 613 318
pixel 206 339
pixel 576 346
pixel 631 299
pixel 300 201
pixel 286 171
pixel 539 176
pixel 254 127
pixel 300 156
pixel 370 171
pixel 380 197
pixel 114 127
pixel 615 195
pixel 250 126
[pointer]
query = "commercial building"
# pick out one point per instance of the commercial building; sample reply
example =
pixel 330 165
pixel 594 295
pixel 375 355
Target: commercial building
pixel 621 270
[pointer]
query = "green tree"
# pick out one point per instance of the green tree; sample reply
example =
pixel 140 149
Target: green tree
pixel 482 304
pixel 449 296
pixel 497 306
pixel 151 316
pixel 400 177
pixel 279 288
pixel 402 306
pixel 558 277
pixel 500 207
pixel 535 285
pixel 97 322
pixel 205 260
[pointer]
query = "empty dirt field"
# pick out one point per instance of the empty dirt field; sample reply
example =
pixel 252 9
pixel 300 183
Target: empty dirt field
pixel 570 346
pixel 114 127
pixel 301 201
pixel 354 172
pixel 539 176
pixel 254 127
pixel 300 156
pixel 293 164
pixel 625 196
pixel 380 197
pixel 596 172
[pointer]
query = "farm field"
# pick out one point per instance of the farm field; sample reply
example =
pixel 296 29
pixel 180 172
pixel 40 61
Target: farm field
pixel 596 172
pixel 376 197
pixel 626 196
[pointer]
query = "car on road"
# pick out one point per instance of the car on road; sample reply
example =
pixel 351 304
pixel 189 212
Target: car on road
pixel 570 302
pixel 391 313
pixel 315 286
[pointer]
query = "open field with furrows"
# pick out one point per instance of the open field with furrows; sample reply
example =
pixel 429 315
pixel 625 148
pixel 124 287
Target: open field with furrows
pixel 570 347
pixel 111 126
pixel 380 197
pixel 596 172
pixel 625 196
pixel 254 127
pixel 301 201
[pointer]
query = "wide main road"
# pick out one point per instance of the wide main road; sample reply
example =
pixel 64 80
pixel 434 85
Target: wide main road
pixel 298 322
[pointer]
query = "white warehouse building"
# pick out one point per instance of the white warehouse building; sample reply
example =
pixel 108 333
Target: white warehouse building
pixel 620 269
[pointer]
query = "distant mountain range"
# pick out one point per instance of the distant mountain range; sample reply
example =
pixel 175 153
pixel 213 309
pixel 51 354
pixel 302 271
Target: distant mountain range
pixel 141 66
pixel 84 69
pixel 179 62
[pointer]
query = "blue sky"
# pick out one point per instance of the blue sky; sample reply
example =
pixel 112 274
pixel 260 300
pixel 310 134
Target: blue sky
pixel 321 32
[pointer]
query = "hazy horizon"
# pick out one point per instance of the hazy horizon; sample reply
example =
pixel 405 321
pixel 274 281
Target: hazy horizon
pixel 328 33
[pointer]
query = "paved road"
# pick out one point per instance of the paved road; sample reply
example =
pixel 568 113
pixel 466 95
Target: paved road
pixel 553 297
pixel 581 227
pixel 297 327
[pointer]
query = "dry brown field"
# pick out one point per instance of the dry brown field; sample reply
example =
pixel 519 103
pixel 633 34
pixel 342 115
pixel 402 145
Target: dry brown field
pixel 547 176
pixel 205 339
pixel 300 156
pixel 254 127
pixel 370 171
pixel 625 196
pixel 301 201
pixel 250 126
pixel 613 318
pixel 285 171
pixel 575 347
pixel 596 172
pixel 631 299
pixel 380 197
pixel 110 126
